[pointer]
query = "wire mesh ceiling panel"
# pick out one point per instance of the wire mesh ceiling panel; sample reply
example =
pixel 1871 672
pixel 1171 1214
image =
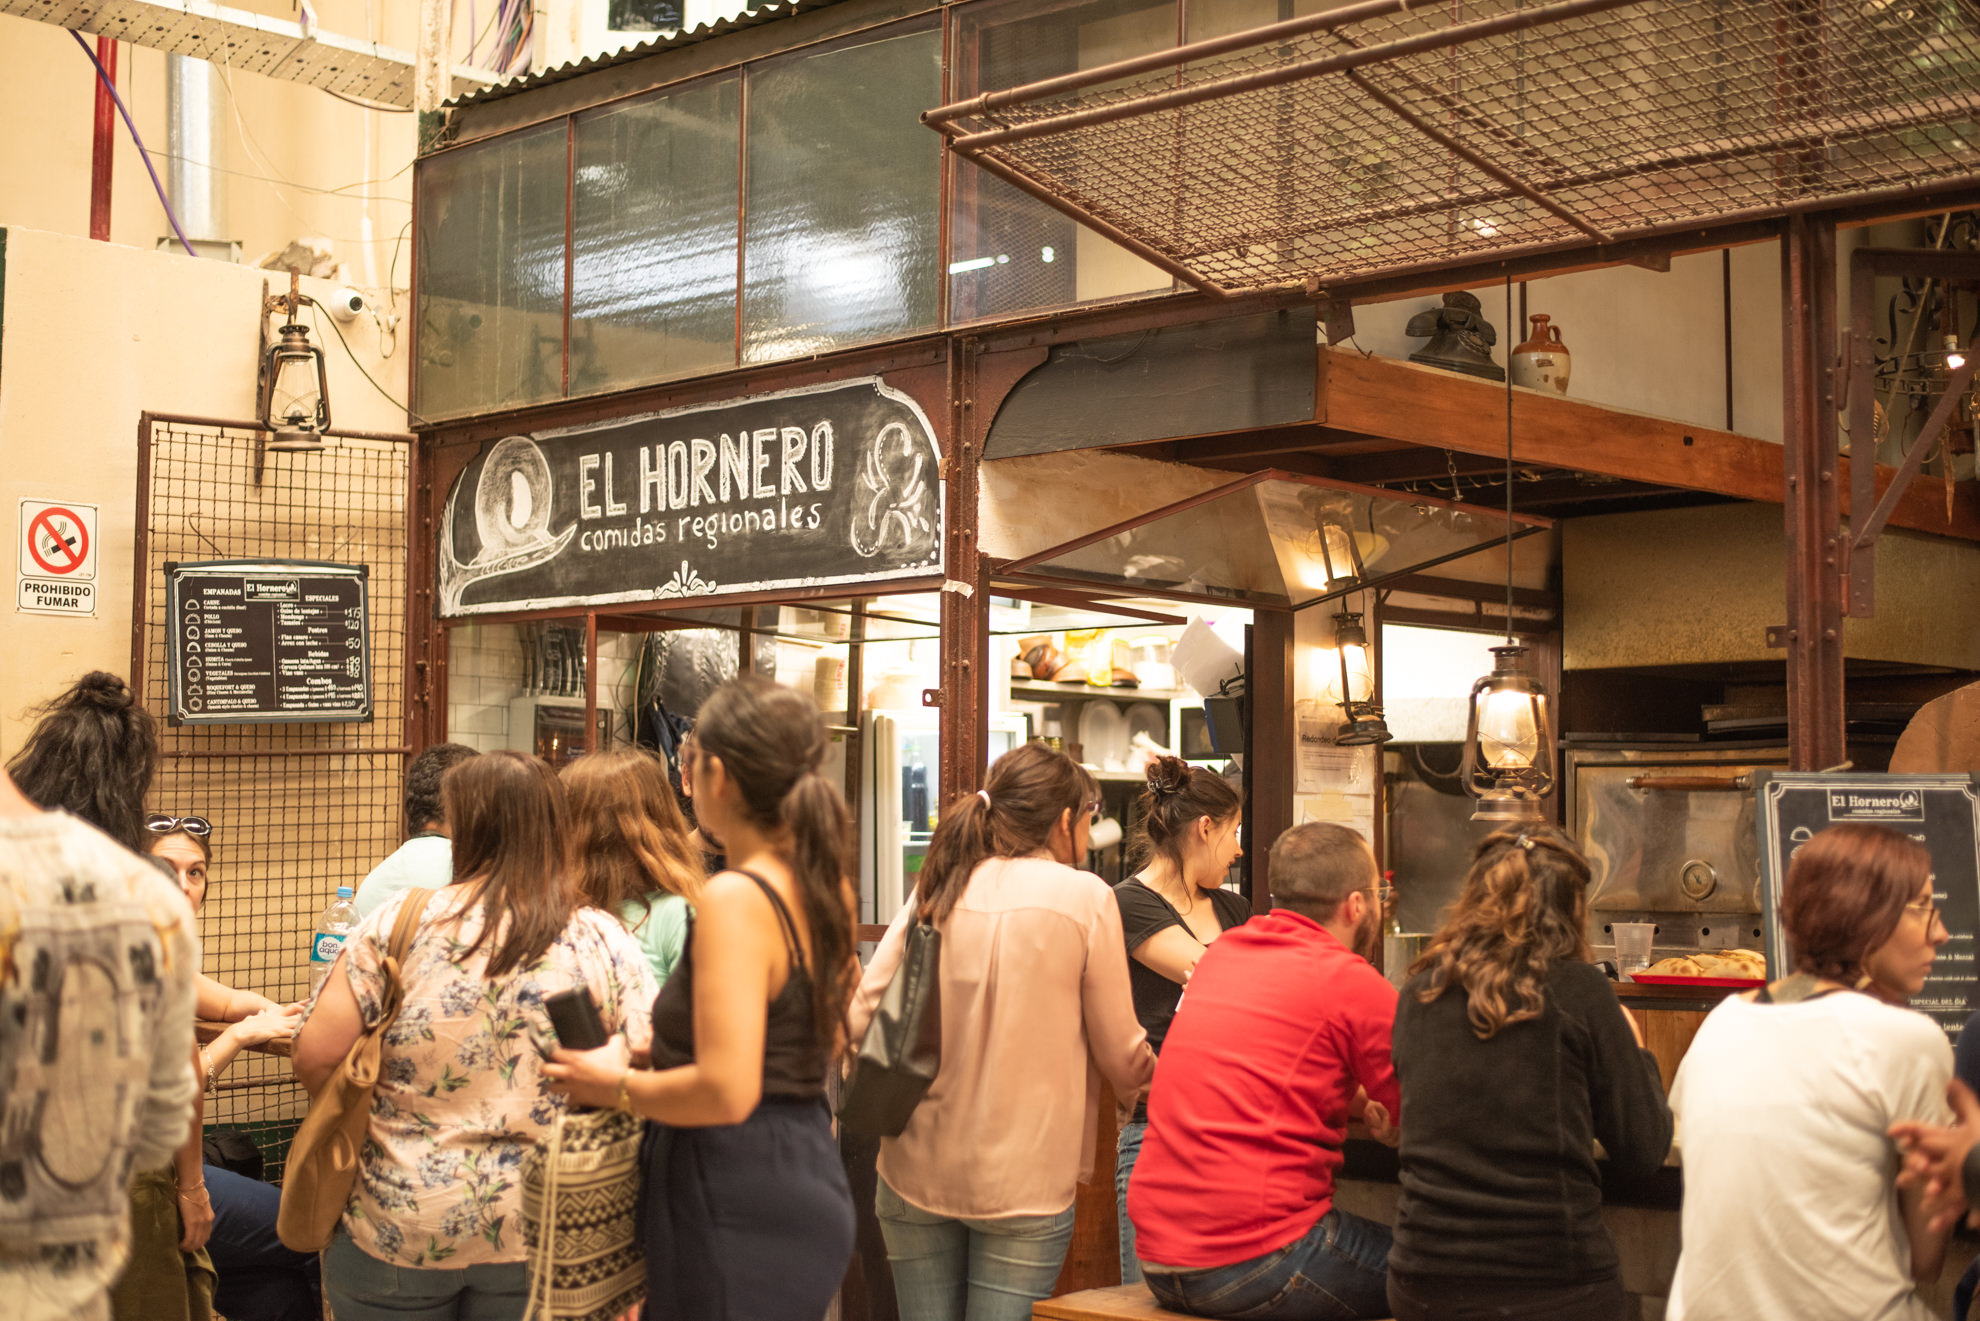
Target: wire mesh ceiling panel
pixel 1375 138
pixel 297 809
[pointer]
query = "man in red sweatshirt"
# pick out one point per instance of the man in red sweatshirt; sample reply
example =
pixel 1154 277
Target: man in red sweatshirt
pixel 1281 1037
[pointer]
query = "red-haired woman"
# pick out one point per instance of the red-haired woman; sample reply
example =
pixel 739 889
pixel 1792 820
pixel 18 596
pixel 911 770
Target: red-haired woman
pixel 1786 1096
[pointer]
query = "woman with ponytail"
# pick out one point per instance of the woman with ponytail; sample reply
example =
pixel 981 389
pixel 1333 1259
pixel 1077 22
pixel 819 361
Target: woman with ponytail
pixel 976 1195
pixel 1501 1209
pixel 747 1213
pixel 1170 911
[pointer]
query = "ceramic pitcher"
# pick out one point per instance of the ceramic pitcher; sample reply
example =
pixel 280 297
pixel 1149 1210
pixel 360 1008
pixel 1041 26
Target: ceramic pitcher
pixel 1542 362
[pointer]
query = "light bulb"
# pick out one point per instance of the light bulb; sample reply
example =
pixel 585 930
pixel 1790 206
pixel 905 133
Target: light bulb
pixel 1507 734
pixel 1954 358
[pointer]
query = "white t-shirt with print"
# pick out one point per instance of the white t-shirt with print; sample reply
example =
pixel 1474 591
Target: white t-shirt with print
pixel 1790 1212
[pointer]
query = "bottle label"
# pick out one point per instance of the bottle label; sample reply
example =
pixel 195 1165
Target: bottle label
pixel 326 947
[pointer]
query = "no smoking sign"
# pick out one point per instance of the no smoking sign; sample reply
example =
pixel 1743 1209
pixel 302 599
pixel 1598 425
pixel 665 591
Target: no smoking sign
pixel 57 565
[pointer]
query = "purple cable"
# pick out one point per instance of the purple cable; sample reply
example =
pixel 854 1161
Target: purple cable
pixel 143 154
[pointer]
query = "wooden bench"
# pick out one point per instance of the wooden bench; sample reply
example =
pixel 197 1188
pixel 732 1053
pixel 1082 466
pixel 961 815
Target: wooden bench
pixel 1115 1304
pixel 1123 1302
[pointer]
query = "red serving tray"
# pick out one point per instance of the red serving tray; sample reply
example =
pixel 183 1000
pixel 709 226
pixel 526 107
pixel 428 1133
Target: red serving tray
pixel 1671 979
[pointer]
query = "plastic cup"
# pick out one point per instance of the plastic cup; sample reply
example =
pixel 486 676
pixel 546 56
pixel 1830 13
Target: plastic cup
pixel 1632 946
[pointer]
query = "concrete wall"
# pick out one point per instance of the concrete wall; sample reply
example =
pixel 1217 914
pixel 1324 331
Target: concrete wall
pixel 1687 586
pixel 91 335
pixel 297 161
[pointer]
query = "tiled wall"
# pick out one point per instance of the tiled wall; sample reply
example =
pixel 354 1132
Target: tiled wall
pixel 485 673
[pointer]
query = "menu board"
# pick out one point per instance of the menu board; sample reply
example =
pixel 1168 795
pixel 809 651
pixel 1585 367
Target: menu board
pixel 255 642
pixel 1942 812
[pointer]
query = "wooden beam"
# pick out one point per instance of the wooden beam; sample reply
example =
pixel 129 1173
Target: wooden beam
pixel 1445 410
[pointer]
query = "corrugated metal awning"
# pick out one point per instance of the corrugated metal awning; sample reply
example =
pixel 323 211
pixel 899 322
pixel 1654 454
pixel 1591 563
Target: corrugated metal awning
pixel 1384 136
pixel 250 42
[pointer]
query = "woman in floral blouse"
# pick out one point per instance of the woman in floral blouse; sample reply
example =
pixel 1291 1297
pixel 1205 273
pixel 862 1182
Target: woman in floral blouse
pixel 434 1222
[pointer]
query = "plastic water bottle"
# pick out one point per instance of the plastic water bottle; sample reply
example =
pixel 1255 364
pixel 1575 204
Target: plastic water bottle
pixel 337 922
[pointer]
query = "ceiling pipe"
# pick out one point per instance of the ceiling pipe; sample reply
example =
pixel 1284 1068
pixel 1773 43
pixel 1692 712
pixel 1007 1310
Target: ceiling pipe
pixel 198 189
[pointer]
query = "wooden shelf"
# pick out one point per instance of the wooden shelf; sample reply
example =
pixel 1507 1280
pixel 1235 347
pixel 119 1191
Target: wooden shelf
pixel 1039 690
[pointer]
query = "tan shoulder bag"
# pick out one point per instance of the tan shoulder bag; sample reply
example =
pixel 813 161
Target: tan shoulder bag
pixel 323 1158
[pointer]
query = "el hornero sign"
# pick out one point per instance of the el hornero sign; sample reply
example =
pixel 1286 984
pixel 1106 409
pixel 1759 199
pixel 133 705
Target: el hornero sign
pixel 835 484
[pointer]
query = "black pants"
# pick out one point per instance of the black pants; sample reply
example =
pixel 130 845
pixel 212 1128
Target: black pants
pixel 1461 1298
pixel 746 1222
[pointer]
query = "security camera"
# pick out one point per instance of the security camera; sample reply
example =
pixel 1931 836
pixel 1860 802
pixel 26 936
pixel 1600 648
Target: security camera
pixel 345 304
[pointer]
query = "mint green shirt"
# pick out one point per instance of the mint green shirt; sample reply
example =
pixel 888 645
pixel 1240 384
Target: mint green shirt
pixel 424 862
pixel 661 929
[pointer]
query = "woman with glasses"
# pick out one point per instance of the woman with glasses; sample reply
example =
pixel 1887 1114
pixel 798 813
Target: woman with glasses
pixel 1170 911
pixel 258 1278
pixel 1501 1207
pixel 1785 1100
pixel 976 1195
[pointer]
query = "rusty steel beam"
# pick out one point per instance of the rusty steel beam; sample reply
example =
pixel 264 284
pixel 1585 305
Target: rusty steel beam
pixel 1813 504
pixel 965 644
pixel 1269 745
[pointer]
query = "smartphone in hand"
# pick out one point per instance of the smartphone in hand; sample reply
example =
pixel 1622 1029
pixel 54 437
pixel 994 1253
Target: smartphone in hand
pixel 575 1019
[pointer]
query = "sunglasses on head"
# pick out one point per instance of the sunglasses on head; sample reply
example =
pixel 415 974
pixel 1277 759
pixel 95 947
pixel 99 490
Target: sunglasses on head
pixel 165 825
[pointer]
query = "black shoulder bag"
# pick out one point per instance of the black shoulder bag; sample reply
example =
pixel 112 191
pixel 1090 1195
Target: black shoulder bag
pixel 902 1049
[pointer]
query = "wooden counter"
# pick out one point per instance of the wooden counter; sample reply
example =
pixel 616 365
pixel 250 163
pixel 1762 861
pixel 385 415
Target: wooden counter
pixel 1670 1017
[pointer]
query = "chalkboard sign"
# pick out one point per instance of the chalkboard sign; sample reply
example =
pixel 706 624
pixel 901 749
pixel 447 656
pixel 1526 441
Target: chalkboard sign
pixel 798 488
pixel 255 642
pixel 1942 812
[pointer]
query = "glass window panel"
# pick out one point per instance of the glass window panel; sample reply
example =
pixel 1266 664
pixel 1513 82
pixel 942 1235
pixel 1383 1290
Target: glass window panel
pixel 653 266
pixel 491 274
pixel 841 242
pixel 1009 251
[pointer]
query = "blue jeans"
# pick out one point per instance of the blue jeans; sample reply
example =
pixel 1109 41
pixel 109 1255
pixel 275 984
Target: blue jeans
pixel 363 1288
pixel 969 1270
pixel 1127 1150
pixel 1338 1271
pixel 260 1280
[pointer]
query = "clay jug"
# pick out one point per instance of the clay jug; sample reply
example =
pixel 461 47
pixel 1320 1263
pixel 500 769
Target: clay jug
pixel 1542 362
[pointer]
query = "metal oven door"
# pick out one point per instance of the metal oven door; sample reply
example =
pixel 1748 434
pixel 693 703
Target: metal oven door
pixel 1670 839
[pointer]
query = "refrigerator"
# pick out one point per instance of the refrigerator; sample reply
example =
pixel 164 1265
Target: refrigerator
pixel 901 799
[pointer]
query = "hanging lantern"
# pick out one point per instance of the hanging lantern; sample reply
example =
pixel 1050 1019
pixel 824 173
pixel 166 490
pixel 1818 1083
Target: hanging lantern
pixel 295 396
pixel 1364 724
pixel 1509 742
pixel 1340 557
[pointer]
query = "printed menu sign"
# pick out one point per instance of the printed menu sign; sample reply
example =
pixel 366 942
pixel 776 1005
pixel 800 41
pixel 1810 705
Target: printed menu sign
pixel 1942 812
pixel 267 641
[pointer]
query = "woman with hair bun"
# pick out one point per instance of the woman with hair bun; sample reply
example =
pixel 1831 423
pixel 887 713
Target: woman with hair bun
pixel 1786 1099
pixel 1501 1207
pixel 92 753
pixel 976 1194
pixel 1170 912
pixel 747 1213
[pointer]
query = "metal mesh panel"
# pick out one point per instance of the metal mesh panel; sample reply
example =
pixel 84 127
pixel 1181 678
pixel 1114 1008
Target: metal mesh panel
pixel 1589 127
pixel 297 810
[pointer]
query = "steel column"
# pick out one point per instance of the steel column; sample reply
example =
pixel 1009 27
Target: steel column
pixel 965 602
pixel 1812 500
pixel 1269 744
pixel 103 143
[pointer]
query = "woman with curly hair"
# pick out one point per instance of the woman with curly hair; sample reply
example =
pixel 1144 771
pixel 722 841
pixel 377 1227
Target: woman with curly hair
pixel 1501 1208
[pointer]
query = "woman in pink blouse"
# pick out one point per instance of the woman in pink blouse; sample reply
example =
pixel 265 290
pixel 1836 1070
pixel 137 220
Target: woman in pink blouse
pixel 433 1227
pixel 976 1195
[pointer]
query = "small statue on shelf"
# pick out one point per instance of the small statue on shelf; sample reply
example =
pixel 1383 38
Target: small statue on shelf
pixel 1461 339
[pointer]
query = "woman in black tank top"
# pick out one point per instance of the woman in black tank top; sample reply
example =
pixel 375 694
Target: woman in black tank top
pixel 747 1213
